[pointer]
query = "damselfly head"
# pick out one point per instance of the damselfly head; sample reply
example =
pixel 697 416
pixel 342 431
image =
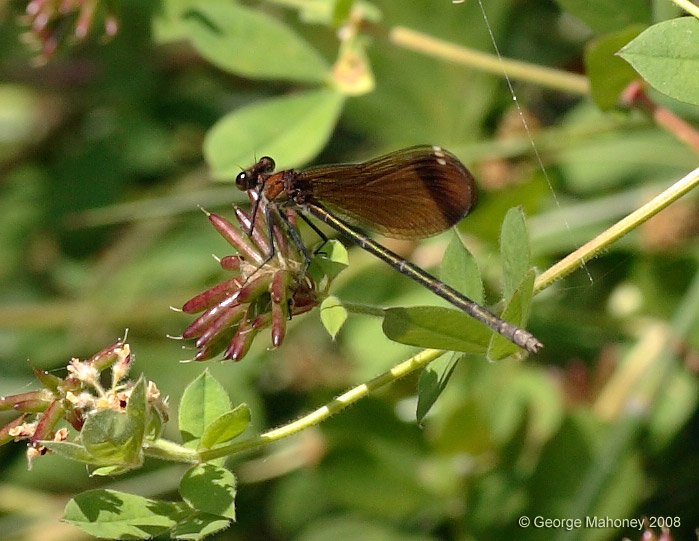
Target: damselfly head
pixel 250 178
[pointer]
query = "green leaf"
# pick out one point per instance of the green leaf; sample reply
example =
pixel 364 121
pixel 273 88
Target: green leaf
pixel 514 247
pixel 436 327
pixel 116 515
pixel 605 16
pixel 225 427
pixel 211 489
pixel 203 401
pixel 516 312
pixel 609 75
pixel 156 424
pixel 105 471
pixel 330 261
pixel 71 451
pixel 137 407
pixel 168 23
pixel 333 315
pixel 199 526
pixel 292 129
pixel 666 55
pixel 113 437
pixel 460 270
pixel 237 39
pixel 433 381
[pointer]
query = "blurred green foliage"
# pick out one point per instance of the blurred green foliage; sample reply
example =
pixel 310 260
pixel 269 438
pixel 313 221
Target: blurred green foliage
pixel 102 167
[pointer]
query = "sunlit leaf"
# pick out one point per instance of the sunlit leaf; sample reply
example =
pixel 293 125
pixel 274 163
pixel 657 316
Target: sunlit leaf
pixel 199 526
pixel 436 327
pixel 237 39
pixel 203 401
pixel 211 489
pixel 460 270
pixel 666 56
pixel 291 129
pixel 333 315
pixel 226 427
pixel 113 437
pixel 433 381
pixel 71 451
pixel 516 312
pixel 514 248
pixel 116 515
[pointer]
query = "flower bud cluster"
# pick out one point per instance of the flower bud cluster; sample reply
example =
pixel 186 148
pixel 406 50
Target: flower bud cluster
pixel 270 287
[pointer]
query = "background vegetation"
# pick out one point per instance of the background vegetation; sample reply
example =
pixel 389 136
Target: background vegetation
pixel 107 148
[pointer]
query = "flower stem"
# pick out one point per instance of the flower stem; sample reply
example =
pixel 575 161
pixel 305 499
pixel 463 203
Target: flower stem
pixel 515 69
pixel 169 450
pixel 341 402
pixel 592 248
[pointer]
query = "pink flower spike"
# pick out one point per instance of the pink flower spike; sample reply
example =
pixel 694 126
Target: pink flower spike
pixel 258 233
pixel 212 296
pixel 111 25
pixel 241 342
pixel 254 288
pixel 279 317
pixel 227 319
pixel 235 238
pixel 84 22
pixel 231 262
pixel 208 317
pixel 279 290
pixel 48 421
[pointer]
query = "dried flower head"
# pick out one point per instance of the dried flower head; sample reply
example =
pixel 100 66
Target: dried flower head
pixel 73 399
pixel 272 285
pixel 53 23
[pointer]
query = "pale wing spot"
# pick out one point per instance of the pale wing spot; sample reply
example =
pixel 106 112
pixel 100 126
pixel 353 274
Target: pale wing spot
pixel 441 159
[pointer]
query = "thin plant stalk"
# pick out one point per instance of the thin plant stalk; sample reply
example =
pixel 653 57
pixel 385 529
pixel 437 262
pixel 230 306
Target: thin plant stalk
pixel 515 69
pixel 168 450
pixel 601 242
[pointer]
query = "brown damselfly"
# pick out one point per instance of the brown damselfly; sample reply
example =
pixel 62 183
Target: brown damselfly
pixel 411 193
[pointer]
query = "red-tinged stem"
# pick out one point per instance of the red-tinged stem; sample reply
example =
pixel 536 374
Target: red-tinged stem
pixel 635 95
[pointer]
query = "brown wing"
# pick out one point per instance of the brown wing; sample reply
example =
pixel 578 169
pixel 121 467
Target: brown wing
pixel 411 193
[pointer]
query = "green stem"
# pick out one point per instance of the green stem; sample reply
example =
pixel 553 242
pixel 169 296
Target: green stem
pixel 592 248
pixel 688 6
pixel 168 450
pixel 514 69
pixel 341 402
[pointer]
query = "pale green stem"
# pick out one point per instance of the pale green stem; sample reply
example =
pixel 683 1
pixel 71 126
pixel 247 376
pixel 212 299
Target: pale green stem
pixel 688 6
pixel 169 450
pixel 602 241
pixel 515 69
pixel 341 402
